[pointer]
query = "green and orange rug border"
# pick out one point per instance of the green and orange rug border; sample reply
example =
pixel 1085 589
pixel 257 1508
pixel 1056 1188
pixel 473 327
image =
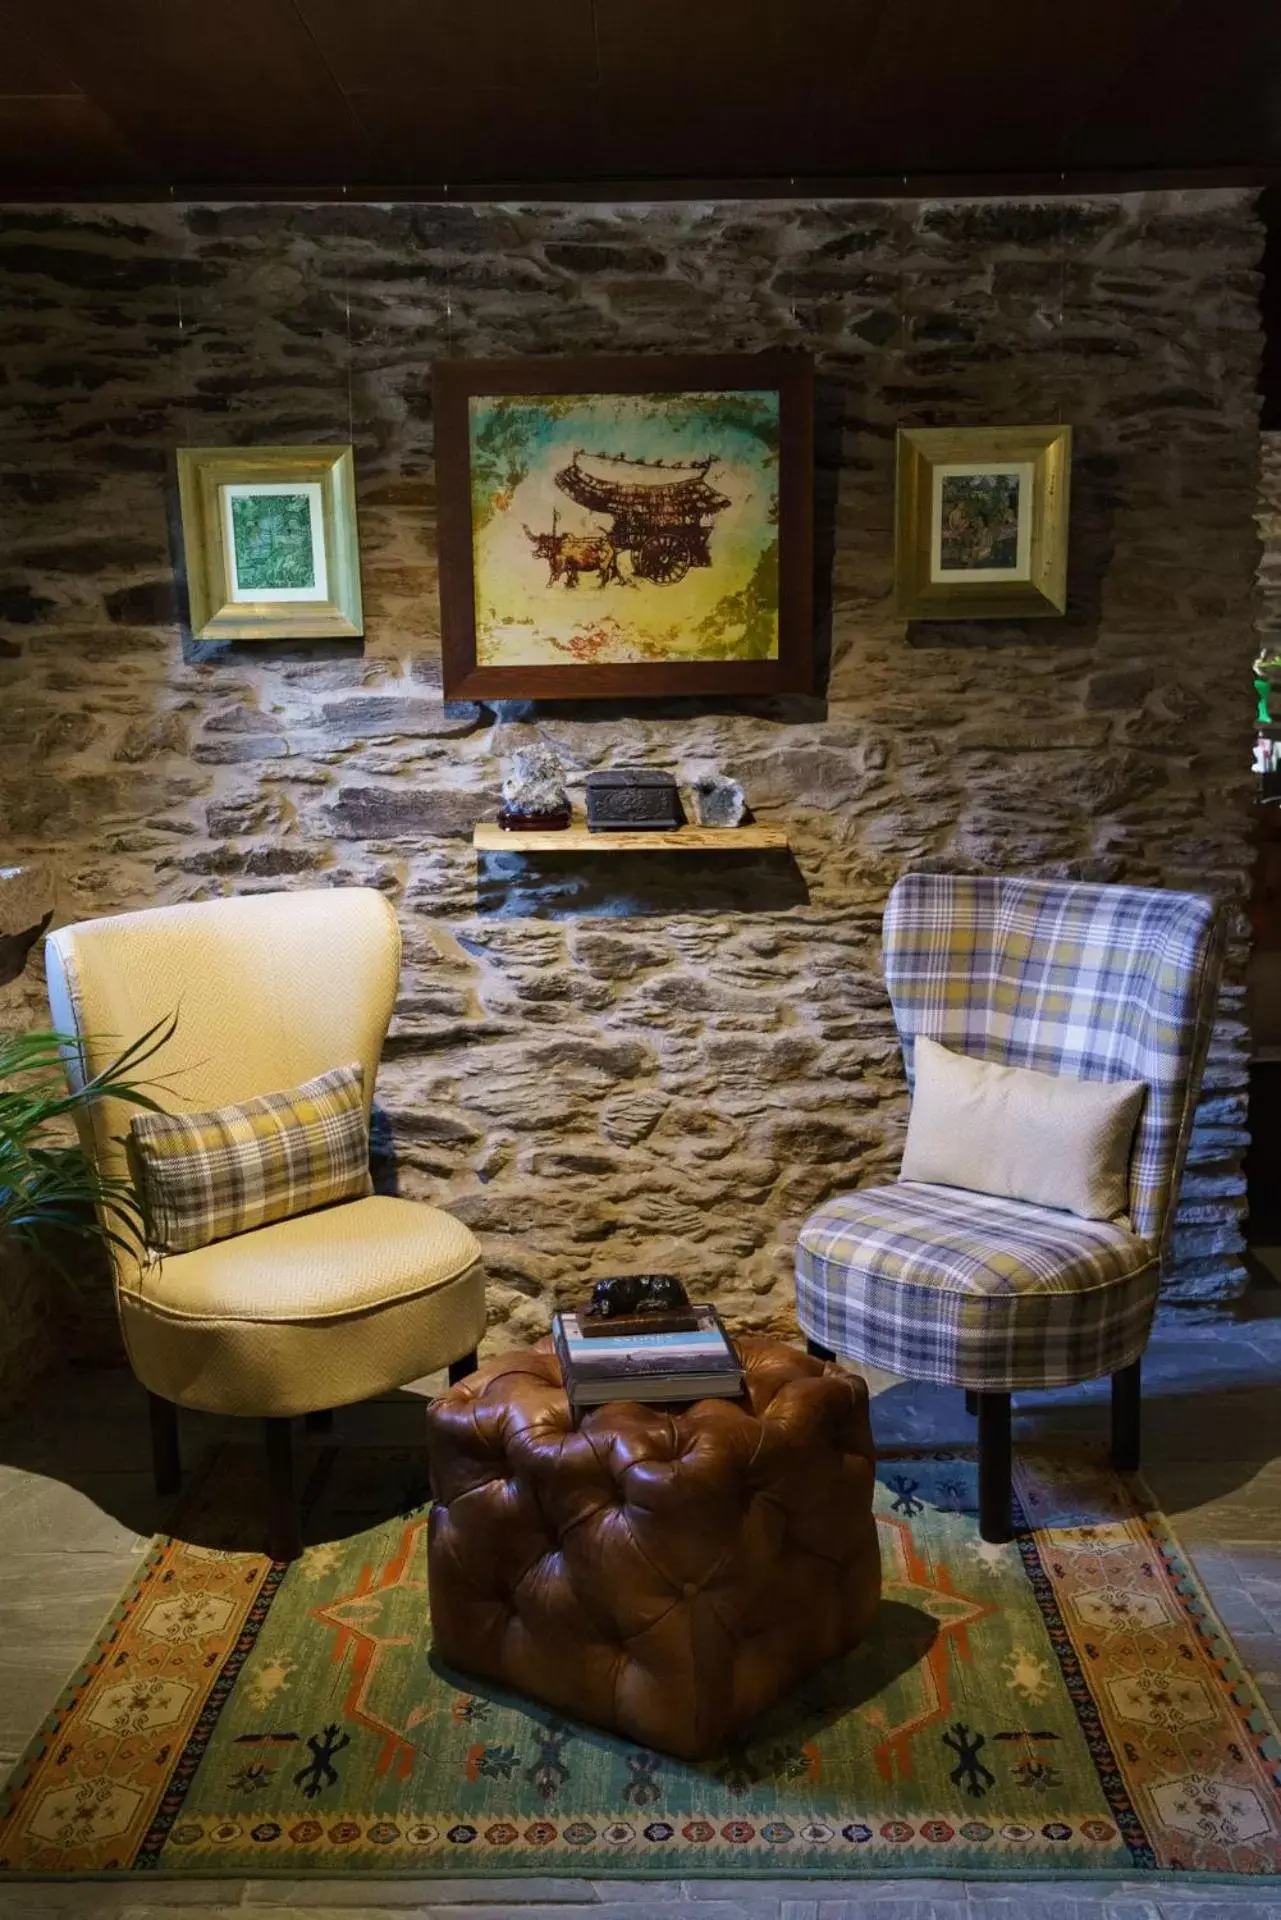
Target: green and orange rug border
pixel 1258 1729
pixel 1257 1723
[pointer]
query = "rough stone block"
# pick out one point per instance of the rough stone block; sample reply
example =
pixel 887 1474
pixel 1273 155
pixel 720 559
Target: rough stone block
pixel 383 813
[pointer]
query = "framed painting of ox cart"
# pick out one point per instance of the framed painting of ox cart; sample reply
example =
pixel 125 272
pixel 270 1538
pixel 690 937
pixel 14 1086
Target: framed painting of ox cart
pixel 621 525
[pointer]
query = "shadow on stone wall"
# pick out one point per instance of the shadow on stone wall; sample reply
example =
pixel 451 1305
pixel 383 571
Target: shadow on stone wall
pixel 566 886
pixel 829 428
pixel 384 1162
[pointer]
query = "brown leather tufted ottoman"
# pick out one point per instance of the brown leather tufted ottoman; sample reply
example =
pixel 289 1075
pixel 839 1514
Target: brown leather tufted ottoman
pixel 664 1572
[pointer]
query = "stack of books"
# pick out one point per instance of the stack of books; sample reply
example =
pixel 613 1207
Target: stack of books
pixel 697 1361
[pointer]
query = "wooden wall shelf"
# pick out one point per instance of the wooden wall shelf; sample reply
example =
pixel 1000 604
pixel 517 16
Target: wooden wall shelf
pixel 489 837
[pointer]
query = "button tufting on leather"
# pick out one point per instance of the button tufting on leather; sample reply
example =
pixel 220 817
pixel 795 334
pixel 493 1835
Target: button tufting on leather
pixel 623 1522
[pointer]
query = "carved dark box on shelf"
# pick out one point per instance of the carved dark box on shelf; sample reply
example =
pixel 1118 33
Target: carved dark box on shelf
pixel 632 799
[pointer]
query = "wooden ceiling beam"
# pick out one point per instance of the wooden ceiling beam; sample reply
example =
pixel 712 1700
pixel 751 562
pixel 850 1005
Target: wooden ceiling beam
pixel 633 98
pixel 866 186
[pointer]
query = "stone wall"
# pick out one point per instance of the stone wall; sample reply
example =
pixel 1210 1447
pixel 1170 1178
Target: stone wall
pixel 1264 978
pixel 652 1062
pixel 1269 518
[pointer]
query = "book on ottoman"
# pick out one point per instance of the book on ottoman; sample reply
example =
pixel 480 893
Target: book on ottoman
pixel 691 1364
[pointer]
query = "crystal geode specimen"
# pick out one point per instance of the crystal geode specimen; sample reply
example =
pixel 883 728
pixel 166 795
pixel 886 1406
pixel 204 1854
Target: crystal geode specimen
pixel 534 789
pixel 719 801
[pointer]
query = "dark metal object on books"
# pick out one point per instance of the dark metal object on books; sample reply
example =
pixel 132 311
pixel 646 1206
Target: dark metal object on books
pixel 627 1323
pixel 633 797
pixel 625 1294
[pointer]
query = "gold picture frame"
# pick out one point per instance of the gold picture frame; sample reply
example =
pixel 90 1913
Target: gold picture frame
pixel 981 522
pixel 270 542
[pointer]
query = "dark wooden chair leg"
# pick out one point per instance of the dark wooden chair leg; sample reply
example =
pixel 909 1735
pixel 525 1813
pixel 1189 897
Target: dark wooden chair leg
pixel 284 1536
pixel 166 1460
pixel 971 1401
pixel 459 1369
pixel 1127 1418
pixel 322 1421
pixel 995 1523
pixel 818 1353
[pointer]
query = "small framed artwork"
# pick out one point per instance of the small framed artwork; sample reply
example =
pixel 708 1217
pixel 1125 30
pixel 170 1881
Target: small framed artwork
pixel 269 540
pixel 625 525
pixel 981 522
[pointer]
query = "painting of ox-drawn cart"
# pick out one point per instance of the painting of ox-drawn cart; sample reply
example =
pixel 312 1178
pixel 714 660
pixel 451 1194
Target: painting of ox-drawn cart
pixel 644 530
pixel 659 515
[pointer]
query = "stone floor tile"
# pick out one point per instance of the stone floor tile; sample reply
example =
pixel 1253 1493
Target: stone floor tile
pixel 51 1606
pixel 98 1513
pixel 1215 1503
pixel 226 1909
pixel 666 1891
pixel 18 1909
pixel 438 1891
pixel 157 1910
pixel 1261 1653
pixel 893 1906
pixel 747 1907
pixel 67 1591
pixel 31 1678
pixel 1239 1611
pixel 15 1906
pixel 1257 1569
pixel 702 1894
pixel 1215 1908
pixel 111 1899
pixel 1093 1900
pixel 1226 1900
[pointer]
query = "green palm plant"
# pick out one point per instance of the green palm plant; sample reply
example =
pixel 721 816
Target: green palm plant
pixel 48 1185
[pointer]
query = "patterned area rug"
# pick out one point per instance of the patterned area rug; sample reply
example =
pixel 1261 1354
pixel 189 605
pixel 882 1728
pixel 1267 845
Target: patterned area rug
pixel 1065 1705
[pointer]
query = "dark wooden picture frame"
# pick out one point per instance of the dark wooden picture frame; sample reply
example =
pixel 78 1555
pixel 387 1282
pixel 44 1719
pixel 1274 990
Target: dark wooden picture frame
pixel 458 382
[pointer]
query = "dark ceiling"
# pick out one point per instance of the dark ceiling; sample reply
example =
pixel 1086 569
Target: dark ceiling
pixel 139 97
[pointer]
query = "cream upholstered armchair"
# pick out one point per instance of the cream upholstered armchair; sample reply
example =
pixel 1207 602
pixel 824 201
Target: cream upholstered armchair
pixel 313 1312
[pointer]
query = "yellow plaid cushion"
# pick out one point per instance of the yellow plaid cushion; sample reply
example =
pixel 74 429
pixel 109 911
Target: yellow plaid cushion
pixel 205 1176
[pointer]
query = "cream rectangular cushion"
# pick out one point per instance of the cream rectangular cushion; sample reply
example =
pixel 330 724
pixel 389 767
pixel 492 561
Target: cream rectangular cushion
pixel 1046 1138
pixel 270 990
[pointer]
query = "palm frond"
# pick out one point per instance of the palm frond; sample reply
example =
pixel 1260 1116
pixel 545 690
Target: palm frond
pixel 52 1187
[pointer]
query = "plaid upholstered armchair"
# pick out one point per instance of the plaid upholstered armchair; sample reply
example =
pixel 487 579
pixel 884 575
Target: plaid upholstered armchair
pixel 991 1294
